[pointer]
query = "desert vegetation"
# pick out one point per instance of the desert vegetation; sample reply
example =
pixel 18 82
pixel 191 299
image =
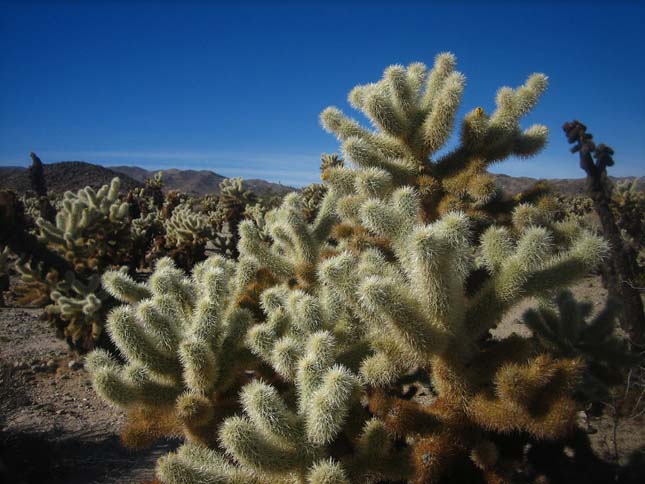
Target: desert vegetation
pixel 354 331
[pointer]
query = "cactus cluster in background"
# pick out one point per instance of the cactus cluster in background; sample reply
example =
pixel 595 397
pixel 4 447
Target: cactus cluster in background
pixel 230 211
pixel 92 231
pixel 186 234
pixel 96 230
pixel 302 360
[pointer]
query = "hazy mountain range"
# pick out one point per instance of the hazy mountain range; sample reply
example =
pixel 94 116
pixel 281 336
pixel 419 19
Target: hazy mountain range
pixel 72 175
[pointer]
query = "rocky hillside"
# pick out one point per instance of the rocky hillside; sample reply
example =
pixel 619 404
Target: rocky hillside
pixel 66 175
pixel 72 175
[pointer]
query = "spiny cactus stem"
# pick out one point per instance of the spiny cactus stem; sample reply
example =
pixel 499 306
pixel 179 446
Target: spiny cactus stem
pixel 619 272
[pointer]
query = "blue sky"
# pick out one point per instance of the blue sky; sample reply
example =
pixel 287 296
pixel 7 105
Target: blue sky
pixel 238 89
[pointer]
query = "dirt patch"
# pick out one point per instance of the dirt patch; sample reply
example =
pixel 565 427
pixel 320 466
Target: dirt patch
pixel 53 427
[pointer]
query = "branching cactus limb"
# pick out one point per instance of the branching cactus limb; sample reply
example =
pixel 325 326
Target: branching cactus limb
pixel 297 245
pixel 414 112
pixel 182 341
pixel 619 274
pixel 532 267
pixel 419 302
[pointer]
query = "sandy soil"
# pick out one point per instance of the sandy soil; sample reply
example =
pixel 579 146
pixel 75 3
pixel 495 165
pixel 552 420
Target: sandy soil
pixel 54 429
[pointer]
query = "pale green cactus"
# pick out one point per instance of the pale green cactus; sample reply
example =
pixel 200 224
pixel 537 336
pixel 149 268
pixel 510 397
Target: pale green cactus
pixel 297 243
pixel 187 232
pixel 94 231
pixel 387 286
pixel 187 227
pixel 33 287
pixel 230 211
pixel 278 440
pixel 90 229
pixel 414 111
pixel 182 339
pixel 31 206
pixel 80 304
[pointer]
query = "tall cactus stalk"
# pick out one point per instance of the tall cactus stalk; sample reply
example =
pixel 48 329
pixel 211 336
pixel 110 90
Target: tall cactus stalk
pixel 619 273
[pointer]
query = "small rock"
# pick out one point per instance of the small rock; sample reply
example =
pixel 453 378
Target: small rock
pixel 74 365
pixel 51 365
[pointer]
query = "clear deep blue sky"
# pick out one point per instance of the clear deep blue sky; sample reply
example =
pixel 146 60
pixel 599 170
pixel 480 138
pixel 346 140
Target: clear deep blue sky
pixel 238 89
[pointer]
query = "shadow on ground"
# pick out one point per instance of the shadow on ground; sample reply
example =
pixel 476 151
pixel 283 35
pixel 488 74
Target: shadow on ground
pixel 27 458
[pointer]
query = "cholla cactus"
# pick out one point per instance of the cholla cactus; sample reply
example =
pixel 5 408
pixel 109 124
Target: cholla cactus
pixel 312 195
pixel 413 111
pixel 383 319
pixel 33 288
pixel 231 206
pixel 89 227
pixel 31 206
pixel 384 288
pixel 298 245
pixel 279 440
pixel 186 234
pixel 187 227
pixel 93 231
pixel 328 161
pixel 80 308
pixel 182 341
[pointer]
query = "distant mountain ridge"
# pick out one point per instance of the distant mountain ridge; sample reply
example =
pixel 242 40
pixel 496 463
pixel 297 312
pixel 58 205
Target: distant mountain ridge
pixel 72 175
pixel 63 176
